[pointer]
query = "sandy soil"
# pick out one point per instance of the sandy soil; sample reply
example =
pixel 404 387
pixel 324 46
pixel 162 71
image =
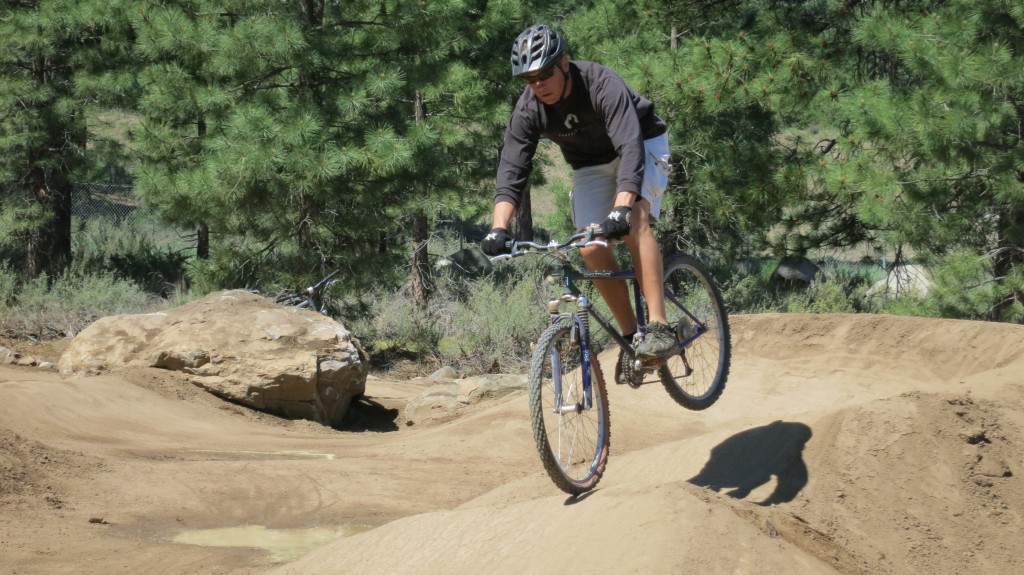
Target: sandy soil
pixel 842 444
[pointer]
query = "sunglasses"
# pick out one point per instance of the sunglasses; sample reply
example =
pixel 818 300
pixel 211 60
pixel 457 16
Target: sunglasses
pixel 539 76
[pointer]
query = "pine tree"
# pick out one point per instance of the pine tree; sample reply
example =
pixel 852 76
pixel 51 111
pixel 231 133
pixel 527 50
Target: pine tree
pixel 315 135
pixel 55 58
pixel 726 94
pixel 935 158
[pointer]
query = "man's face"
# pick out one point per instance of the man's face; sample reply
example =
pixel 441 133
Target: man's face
pixel 547 83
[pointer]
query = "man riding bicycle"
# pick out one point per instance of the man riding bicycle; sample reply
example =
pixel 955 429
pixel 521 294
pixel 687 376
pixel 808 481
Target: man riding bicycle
pixel 618 150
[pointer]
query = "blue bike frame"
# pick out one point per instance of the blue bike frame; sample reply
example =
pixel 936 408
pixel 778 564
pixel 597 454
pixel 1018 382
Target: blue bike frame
pixel 569 277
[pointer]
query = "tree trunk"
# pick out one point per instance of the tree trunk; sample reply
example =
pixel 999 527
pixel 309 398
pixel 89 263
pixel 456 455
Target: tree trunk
pixel 305 225
pixel 422 283
pixel 203 241
pixel 48 247
pixel 203 229
pixel 35 250
pixel 312 12
pixel 1009 256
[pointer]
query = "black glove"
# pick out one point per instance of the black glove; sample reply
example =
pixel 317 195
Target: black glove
pixel 497 242
pixel 616 224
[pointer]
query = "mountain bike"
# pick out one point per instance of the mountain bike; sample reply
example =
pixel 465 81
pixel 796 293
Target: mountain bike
pixel 312 297
pixel 568 398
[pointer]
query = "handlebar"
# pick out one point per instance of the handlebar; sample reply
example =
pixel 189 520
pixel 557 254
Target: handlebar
pixel 579 240
pixel 322 282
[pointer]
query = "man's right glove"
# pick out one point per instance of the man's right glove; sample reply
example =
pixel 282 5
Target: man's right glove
pixel 496 242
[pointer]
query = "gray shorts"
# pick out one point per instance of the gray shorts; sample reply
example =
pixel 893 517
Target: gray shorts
pixel 594 187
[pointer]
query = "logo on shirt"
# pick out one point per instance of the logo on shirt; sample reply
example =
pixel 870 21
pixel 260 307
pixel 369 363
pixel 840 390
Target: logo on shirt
pixel 571 121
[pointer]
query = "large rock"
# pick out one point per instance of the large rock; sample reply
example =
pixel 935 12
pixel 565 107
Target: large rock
pixel 239 346
pixel 794 270
pixel 467 262
pixel 446 398
pixel 903 280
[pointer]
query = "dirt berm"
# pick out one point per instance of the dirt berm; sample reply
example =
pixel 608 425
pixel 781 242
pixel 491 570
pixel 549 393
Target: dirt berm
pixel 842 444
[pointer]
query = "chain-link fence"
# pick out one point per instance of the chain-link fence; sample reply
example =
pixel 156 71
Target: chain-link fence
pixel 113 202
pixel 116 205
pixel 113 206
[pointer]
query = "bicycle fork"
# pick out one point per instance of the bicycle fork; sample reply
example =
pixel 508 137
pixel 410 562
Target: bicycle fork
pixel 579 332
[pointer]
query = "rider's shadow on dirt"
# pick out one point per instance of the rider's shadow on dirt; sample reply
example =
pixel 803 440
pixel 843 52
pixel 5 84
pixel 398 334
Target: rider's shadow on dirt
pixel 749 459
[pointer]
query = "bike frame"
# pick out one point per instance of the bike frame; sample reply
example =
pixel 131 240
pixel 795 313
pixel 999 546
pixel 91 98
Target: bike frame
pixel 569 276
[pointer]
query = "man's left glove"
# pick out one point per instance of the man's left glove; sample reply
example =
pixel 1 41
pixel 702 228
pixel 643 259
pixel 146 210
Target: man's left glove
pixel 616 224
pixel 496 243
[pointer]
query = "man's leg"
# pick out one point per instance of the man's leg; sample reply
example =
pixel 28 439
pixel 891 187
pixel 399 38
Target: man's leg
pixel 643 247
pixel 660 340
pixel 614 292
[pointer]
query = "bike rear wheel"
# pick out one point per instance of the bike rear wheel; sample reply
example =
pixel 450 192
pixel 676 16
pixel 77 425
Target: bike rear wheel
pixel 571 438
pixel 695 377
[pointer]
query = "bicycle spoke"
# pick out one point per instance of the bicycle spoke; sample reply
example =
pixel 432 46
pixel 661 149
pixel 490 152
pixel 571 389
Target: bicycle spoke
pixel 573 440
pixel 695 378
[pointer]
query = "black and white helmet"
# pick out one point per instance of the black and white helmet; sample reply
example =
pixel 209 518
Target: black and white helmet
pixel 536 48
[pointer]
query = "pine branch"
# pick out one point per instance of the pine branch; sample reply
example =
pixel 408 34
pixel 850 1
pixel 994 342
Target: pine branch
pixel 245 86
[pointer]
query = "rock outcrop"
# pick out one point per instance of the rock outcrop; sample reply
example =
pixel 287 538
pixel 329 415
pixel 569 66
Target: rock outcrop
pixel 237 345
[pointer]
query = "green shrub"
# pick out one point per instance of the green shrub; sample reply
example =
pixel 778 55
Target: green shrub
pixel 963 287
pixel 473 325
pixel 822 296
pixel 839 288
pixel 43 309
pixel 8 286
pixel 128 251
pixel 480 325
pixel 751 293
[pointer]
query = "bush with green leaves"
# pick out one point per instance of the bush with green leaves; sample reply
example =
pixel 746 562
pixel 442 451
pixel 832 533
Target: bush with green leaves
pixel 822 296
pixel 474 325
pixel 131 249
pixel 747 288
pixel 45 309
pixel 839 287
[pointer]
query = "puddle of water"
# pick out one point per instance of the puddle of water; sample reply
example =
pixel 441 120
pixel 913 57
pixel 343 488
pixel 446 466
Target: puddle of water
pixel 282 544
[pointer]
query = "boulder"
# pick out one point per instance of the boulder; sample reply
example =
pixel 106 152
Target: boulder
pixel 794 270
pixel 467 262
pixel 445 399
pixel 237 345
pixel 903 280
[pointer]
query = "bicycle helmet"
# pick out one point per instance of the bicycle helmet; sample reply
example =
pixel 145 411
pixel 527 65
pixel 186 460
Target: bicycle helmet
pixel 536 48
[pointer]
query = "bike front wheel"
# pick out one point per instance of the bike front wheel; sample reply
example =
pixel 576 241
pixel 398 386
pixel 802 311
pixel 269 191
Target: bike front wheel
pixel 571 433
pixel 696 376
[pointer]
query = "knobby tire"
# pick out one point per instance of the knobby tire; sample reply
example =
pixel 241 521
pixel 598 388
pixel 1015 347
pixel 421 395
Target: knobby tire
pixel 573 446
pixel 708 356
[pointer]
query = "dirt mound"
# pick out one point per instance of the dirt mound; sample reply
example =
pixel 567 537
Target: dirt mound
pixel 32 472
pixel 919 483
pixel 842 444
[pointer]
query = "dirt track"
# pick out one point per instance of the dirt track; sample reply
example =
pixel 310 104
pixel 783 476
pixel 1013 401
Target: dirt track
pixel 842 444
